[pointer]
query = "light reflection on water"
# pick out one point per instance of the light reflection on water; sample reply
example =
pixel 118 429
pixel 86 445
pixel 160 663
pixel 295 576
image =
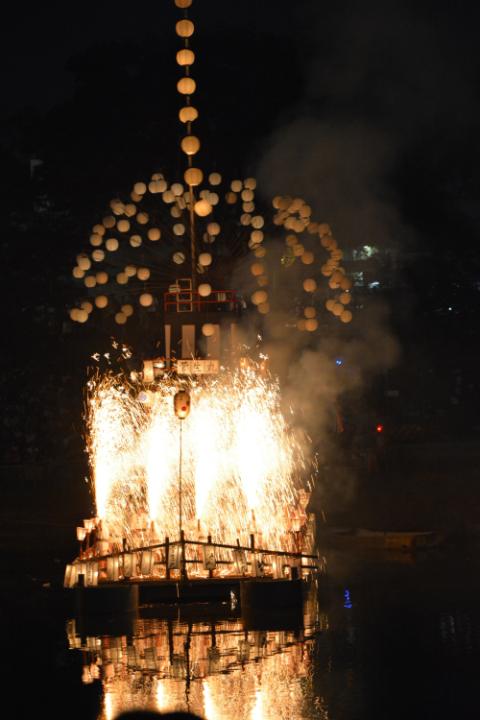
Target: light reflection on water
pixel 398 639
pixel 215 668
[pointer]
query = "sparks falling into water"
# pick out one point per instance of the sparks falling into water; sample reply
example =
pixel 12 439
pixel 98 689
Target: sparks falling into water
pixel 240 468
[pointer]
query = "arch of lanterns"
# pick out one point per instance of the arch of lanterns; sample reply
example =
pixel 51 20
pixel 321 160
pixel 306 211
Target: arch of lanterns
pixel 163 231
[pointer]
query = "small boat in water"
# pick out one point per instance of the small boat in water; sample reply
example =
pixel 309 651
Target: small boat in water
pixel 358 538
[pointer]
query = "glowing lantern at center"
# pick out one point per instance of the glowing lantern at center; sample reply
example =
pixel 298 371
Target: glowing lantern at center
pixel 181 404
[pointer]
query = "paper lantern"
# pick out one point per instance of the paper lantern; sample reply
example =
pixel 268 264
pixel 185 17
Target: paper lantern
pixel 311 325
pixel 146 299
pixel 140 188
pixel 345 298
pixel 99 229
pixel 123 226
pixel 179 229
pixel 213 228
pixel 333 245
pixel 73 314
pixel 257 269
pixel 190 144
pixel 78 272
pixel 101 277
pixel 143 273
pixel 305 211
pixel 337 276
pixel 291 240
pixel 108 221
pixel 276 202
pixel 258 222
pixel 142 218
pixel 101 301
pixel 154 234
pixel 236 186
pixel 96 239
pixel 245 219
pixel 186 86
pixel 296 204
pixel 325 240
pixel 177 189
pixel 284 202
pixel 262 280
pixel 334 285
pixel 185 57
pixel 259 297
pixel 112 244
pixel 260 252
pixel 205 259
pixel 298 226
pixel 324 229
pixel 83 262
pixel 346 283
pixel 290 223
pixel 188 114
pixel 231 198
pixel 208 329
pixel 127 310
pixel 90 281
pixel 120 318
pixel 168 196
pixel 202 208
pixel 184 28
pixel 117 206
pixel 330 304
pixel 183 3
pixel 309 312
pixel 130 271
pixel 327 270
pixel 157 176
pixel 337 308
pixel 122 278
pixel 312 227
pixel 298 250
pixel 337 254
pixel 309 285
pixel 204 290
pixel 130 209
pixel 193 176
pixel 248 207
pixel 87 306
pixel 82 316
pixel 257 236
pixel 212 198
pixel 135 241
pixel 135 197
pixel 175 212
pixel 301 324
pixel 346 316
pixel 308 258
pixel 152 187
pixel 247 195
pixel 215 178
pixel 181 404
pixel 250 183
pixel 98 255
pixel 178 258
pixel 264 308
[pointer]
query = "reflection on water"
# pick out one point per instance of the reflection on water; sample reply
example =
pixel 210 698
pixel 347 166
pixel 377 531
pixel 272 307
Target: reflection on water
pixel 214 668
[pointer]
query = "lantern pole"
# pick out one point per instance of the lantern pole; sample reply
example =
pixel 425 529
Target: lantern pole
pixel 180 483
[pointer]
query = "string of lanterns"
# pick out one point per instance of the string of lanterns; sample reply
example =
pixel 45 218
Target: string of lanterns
pixel 170 228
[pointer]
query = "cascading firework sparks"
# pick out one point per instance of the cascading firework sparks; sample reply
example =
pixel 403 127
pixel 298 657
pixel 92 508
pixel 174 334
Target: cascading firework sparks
pixel 240 465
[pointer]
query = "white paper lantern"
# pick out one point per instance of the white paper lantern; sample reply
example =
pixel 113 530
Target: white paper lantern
pixel 83 262
pixel 179 258
pixel 204 290
pixel 215 179
pixel 78 272
pixel 135 241
pixel 120 318
pixel 202 208
pixel 101 277
pixel 143 273
pixel 87 306
pixel 101 301
pixel 258 221
pixel 177 189
pixel 73 314
pixel 213 228
pixel 112 244
pixel 208 329
pixel 96 239
pixel 142 218
pixel 98 255
pixel 130 271
pixel 140 188
pixel 179 229
pixel 122 278
pixel 146 299
pixel 82 316
pixel 127 310
pixel 205 259
pixel 154 234
pixel 236 186
pixel 90 281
